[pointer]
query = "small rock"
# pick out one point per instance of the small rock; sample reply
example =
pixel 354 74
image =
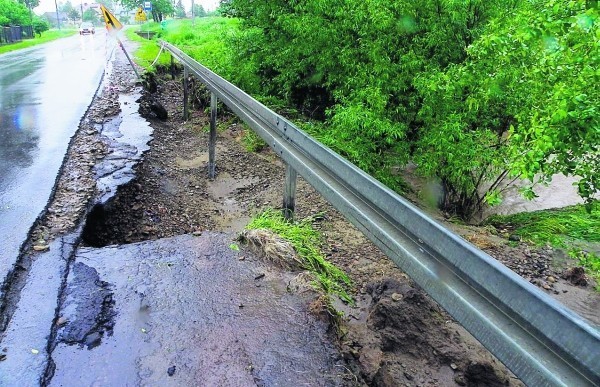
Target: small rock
pixel 61 321
pixel 514 238
pixel 240 305
pixel 408 376
pixel 453 366
pixel 171 371
pixel 2 357
pixel 260 276
pixel 551 279
pixel 197 233
pixel 546 287
pixel 241 258
pixel 396 297
pixel 41 247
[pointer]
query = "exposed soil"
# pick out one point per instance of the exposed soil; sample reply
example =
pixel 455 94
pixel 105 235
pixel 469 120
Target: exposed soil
pixel 396 335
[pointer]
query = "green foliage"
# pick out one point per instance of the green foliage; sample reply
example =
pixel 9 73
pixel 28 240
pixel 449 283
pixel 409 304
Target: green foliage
pixel 306 242
pixel 475 92
pixel 558 227
pixel 199 10
pixel 40 25
pixel 523 103
pixel 13 13
pixel 179 9
pixel 91 15
pixel 252 141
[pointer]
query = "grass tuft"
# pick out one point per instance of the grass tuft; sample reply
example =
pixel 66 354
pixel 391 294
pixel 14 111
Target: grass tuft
pixel 306 242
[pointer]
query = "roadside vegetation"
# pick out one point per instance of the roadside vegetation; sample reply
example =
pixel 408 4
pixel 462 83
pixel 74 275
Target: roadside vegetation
pixel 306 243
pixel 46 37
pixel 476 93
pixel 574 228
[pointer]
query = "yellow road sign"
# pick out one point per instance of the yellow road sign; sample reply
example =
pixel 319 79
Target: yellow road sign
pixel 140 15
pixel 112 24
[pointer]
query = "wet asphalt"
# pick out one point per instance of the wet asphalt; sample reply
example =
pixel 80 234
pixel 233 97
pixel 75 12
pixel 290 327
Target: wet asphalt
pixel 44 93
pixel 186 311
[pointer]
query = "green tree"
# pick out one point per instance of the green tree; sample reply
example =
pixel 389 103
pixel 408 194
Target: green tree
pixel 523 105
pixel 91 15
pixel 74 14
pixel 179 9
pixel 40 25
pixel 13 13
pixel 199 10
pixel 30 4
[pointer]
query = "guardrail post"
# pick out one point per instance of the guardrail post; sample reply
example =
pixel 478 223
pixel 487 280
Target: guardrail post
pixel 289 194
pixel 212 139
pixel 172 67
pixel 186 84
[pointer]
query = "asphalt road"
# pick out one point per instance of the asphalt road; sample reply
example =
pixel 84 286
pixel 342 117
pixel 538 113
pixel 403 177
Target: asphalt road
pixel 44 93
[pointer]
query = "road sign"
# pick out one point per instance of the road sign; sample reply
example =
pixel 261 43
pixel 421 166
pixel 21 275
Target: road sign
pixel 147 6
pixel 112 24
pixel 140 15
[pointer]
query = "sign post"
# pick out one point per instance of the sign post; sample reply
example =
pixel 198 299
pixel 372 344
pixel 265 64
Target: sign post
pixel 148 8
pixel 113 26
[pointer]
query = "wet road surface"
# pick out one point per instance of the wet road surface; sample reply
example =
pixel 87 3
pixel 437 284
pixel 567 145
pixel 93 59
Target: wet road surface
pixel 186 311
pixel 44 92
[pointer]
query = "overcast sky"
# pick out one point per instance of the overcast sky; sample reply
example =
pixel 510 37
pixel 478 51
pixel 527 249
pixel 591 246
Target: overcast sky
pixel 48 5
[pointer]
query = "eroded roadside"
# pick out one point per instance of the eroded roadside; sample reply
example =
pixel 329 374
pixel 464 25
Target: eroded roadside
pixel 395 335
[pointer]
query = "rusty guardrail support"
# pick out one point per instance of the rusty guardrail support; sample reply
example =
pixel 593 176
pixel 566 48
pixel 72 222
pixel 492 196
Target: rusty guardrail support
pixel 212 139
pixel 289 194
pixel 186 93
pixel 172 67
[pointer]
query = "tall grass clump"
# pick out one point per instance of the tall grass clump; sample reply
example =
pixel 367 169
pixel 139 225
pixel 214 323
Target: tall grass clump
pixel 306 242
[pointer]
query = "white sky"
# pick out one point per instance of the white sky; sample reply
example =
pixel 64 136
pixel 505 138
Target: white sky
pixel 48 5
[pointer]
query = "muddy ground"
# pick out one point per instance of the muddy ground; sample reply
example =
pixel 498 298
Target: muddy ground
pixel 396 335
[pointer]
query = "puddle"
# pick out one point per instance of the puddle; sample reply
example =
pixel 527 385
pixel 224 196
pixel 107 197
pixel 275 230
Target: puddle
pixel 222 190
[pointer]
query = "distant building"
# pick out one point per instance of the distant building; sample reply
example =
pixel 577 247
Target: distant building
pixel 51 17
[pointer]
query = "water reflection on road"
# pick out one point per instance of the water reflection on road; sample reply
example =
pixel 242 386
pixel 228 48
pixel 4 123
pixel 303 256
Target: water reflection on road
pixel 44 92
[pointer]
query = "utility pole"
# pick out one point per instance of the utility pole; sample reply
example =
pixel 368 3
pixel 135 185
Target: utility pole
pixel 57 15
pixel 193 18
pixel 81 3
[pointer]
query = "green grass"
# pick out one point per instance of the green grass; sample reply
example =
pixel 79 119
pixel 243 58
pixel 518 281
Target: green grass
pixel 306 242
pixel 147 51
pixel 558 227
pixel 568 228
pixel 46 37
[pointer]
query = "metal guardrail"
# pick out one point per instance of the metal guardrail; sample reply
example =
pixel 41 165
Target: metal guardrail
pixel 536 337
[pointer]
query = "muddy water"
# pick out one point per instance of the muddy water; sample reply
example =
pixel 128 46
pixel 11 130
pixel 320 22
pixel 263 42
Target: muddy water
pixel 561 192
pixel 222 190
pixel 187 311
pixel 127 137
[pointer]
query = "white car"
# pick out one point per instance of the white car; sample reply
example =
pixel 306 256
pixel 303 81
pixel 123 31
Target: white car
pixel 86 28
